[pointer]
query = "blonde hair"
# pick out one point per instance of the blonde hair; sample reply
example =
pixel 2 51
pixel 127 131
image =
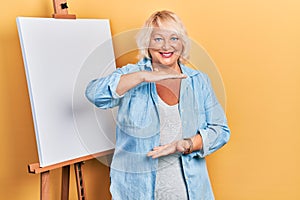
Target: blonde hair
pixel 167 20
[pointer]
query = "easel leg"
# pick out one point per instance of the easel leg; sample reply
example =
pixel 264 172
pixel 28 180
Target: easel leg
pixel 79 181
pixel 65 182
pixel 45 192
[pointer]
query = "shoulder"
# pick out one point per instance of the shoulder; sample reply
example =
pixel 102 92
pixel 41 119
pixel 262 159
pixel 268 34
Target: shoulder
pixel 193 73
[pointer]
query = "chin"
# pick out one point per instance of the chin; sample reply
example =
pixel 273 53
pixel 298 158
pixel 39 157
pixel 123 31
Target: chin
pixel 167 63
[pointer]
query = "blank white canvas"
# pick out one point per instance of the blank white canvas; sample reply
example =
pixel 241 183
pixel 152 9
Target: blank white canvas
pixel 61 56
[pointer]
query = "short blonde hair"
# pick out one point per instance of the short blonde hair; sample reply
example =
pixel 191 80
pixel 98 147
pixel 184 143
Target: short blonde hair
pixel 167 20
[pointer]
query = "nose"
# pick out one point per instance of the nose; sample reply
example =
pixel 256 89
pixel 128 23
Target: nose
pixel 166 45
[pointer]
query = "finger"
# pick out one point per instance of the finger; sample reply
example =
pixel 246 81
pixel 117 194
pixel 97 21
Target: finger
pixel 159 148
pixel 156 153
pixel 155 148
pixel 150 153
pixel 162 150
pixel 176 76
pixel 182 76
pixel 161 153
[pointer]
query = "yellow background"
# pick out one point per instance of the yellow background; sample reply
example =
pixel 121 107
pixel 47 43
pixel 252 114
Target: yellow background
pixel 256 46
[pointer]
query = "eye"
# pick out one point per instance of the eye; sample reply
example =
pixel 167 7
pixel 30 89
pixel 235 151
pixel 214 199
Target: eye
pixel 174 38
pixel 158 39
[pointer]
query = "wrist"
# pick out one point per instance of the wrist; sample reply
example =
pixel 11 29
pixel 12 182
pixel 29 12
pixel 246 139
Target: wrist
pixel 189 149
pixel 142 76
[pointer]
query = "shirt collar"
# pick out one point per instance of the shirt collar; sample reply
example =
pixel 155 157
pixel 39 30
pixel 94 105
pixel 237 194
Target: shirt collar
pixel 146 62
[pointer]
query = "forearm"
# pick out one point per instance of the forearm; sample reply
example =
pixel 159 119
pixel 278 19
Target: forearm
pixel 129 81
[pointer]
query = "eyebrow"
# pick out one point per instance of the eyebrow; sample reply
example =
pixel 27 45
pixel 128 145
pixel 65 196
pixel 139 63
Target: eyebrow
pixel 161 35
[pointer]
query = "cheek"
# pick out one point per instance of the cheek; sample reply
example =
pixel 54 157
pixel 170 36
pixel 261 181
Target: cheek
pixel 153 52
pixel 178 50
pixel 178 46
pixel 153 45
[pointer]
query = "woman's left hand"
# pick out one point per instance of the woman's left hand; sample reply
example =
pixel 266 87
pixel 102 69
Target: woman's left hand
pixel 164 150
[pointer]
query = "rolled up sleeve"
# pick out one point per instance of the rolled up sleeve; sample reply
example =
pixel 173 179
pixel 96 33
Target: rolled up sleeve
pixel 102 91
pixel 216 133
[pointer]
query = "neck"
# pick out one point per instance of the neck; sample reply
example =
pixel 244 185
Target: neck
pixel 161 67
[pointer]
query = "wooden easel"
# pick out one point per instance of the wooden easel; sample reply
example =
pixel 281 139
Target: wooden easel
pixel 61 12
pixel 45 176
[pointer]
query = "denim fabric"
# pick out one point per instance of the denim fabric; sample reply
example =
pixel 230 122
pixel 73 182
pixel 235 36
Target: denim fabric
pixel 133 174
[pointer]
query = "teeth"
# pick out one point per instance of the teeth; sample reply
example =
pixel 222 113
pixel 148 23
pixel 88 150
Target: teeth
pixel 166 54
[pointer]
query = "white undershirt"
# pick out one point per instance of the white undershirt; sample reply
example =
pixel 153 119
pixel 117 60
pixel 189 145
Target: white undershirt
pixel 170 183
pixel 170 122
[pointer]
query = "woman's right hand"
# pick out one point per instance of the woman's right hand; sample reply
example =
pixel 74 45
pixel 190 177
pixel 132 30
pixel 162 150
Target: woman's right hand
pixel 155 76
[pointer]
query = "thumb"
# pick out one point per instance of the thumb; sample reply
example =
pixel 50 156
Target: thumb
pixel 181 149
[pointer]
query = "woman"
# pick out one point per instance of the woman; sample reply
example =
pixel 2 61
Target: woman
pixel 168 119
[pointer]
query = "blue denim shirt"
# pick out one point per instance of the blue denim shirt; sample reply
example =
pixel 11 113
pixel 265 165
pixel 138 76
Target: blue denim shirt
pixel 132 173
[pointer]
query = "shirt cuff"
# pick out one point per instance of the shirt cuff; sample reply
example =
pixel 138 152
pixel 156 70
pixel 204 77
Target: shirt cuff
pixel 113 84
pixel 204 151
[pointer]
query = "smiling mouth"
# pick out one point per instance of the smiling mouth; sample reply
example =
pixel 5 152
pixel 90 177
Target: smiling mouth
pixel 166 54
